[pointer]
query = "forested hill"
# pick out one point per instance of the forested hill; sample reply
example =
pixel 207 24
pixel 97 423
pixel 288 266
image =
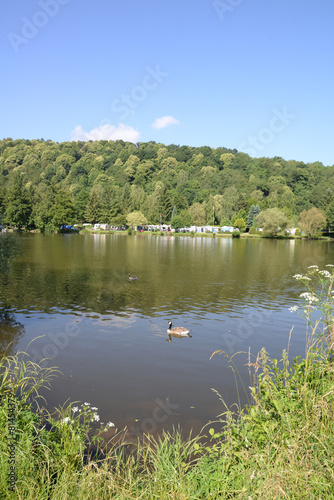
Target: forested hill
pixel 44 183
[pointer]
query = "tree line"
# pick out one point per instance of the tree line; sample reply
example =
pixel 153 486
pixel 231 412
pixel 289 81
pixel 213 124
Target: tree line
pixel 44 184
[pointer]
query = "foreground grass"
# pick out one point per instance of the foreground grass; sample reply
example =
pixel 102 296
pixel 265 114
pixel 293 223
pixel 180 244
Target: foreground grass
pixel 280 446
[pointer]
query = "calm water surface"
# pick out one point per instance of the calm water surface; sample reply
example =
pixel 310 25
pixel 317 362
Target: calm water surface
pixel 108 336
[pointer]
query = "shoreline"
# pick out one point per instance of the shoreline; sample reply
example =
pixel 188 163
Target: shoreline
pixel 180 234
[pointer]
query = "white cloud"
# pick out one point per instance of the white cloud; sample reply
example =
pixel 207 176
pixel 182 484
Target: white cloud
pixel 165 121
pixel 106 132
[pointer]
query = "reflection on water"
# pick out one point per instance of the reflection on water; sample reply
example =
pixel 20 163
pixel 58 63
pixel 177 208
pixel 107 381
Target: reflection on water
pixel 108 336
pixel 177 336
pixel 10 332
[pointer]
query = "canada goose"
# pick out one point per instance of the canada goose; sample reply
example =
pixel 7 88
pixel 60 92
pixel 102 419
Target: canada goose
pixel 131 278
pixel 178 331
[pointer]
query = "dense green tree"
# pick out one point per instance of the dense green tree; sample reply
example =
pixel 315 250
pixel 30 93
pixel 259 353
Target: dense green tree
pixel 330 216
pixel 183 154
pixel 80 204
pixel 144 173
pixel 130 167
pixel 114 206
pixel 42 204
pixel 119 220
pixel 136 219
pixel 176 222
pixel 136 172
pixel 62 211
pixel 182 179
pixel 96 210
pixel 326 198
pixel 165 205
pixel 138 197
pixel 125 200
pixel 2 201
pixel 240 223
pixel 197 212
pixel 229 203
pixel 151 206
pixel 252 214
pixel 168 176
pixel 311 221
pixel 272 221
pixel 187 219
pixel 18 206
pixel 226 159
pixel 65 161
pixel 210 210
pixel 241 214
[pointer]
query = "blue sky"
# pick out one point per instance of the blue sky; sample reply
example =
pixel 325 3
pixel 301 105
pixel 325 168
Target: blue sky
pixel 256 75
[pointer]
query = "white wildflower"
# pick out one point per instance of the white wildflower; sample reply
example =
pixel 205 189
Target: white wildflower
pixel 66 420
pixel 310 267
pixel 293 309
pixel 326 274
pixel 329 265
pixel 75 409
pixel 298 276
pixel 110 424
pixel 94 408
pixel 95 417
pixel 253 474
pixel 86 404
pixel 309 297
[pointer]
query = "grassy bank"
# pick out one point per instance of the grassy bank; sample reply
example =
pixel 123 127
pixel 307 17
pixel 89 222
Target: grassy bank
pixel 280 446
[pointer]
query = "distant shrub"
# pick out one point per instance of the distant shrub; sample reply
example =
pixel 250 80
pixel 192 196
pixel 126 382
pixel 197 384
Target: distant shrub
pixel 192 233
pixel 252 230
pixel 235 234
pixel 129 230
pixel 50 228
pixel 298 232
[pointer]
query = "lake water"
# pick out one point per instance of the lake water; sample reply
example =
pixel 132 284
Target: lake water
pixel 108 336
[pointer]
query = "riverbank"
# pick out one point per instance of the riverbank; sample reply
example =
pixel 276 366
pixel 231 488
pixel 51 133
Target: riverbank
pixel 208 234
pixel 204 235
pixel 280 446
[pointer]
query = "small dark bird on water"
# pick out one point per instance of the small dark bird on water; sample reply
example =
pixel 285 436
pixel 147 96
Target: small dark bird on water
pixel 132 278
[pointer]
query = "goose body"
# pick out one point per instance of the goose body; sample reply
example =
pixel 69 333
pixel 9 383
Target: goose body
pixel 132 278
pixel 178 331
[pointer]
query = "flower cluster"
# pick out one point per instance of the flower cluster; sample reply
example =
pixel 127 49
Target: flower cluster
pixel 90 412
pixel 301 277
pixel 319 295
pixel 326 274
pixel 67 420
pixel 309 297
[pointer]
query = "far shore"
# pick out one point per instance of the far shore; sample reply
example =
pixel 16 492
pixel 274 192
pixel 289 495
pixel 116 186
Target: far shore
pixel 180 234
